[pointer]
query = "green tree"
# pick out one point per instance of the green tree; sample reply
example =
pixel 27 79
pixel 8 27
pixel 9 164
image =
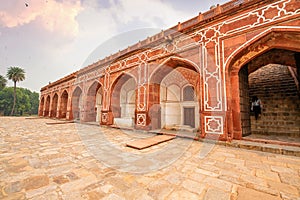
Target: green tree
pixel 3 82
pixel 27 102
pixel 6 100
pixel 34 103
pixel 15 74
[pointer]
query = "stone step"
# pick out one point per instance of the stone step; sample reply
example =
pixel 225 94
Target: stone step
pixel 277 123
pixel 273 130
pixel 278 128
pixel 286 134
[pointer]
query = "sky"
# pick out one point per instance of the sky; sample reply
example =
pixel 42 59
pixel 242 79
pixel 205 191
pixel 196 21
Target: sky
pixel 50 39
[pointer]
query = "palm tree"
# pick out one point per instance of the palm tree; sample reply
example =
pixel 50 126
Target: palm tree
pixel 3 82
pixel 15 74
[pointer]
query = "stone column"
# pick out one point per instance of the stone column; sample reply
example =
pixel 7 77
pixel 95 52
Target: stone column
pixel 50 107
pixel 69 114
pixel 41 107
pixel 235 106
pixel 141 114
pixel 153 119
pixel 58 108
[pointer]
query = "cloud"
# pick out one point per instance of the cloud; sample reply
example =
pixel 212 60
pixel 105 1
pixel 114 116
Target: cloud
pixel 155 13
pixel 53 16
pixel 52 38
pixel 123 18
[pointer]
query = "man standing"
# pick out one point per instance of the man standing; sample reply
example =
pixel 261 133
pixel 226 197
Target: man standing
pixel 256 106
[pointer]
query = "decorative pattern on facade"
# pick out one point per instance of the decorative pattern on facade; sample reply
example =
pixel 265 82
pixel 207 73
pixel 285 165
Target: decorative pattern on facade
pixel 141 119
pixel 214 124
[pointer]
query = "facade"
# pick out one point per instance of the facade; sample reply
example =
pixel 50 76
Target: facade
pixel 195 75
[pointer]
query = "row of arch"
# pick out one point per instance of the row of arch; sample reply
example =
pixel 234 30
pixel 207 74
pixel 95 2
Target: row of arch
pixel 50 108
pixel 72 107
pixel 175 96
pixel 174 91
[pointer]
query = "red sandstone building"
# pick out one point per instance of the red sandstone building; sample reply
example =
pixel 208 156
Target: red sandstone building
pixel 198 74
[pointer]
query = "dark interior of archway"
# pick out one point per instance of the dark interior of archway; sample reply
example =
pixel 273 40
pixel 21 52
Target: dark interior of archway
pixel 297 58
pixel 272 77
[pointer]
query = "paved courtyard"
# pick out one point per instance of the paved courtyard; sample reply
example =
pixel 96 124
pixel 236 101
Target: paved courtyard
pixel 73 161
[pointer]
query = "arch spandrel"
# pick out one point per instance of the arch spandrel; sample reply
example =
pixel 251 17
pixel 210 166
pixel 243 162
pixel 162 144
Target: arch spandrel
pixel 273 38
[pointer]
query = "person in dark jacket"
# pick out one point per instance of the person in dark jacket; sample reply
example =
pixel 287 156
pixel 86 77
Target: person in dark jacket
pixel 256 106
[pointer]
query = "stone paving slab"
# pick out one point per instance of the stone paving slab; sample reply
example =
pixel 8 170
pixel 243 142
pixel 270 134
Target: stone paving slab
pixel 74 161
pixel 148 142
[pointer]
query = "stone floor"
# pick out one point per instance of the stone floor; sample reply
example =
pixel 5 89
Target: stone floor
pixel 73 161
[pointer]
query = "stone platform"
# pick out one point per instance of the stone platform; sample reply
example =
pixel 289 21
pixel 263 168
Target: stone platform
pixel 76 161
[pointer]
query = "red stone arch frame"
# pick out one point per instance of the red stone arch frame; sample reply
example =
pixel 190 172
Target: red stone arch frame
pixel 117 80
pixel 41 106
pixel 75 111
pixel 63 104
pixel 286 38
pixel 47 106
pixel 54 105
pixel 90 101
pixel 152 117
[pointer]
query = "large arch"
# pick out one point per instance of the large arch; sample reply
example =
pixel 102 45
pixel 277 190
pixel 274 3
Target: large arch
pixel 41 108
pixel 63 104
pixel 93 102
pixel 168 106
pixel 275 46
pixel 123 100
pixel 54 105
pixel 47 106
pixel 77 104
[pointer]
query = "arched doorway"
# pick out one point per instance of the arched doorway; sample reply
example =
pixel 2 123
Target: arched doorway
pixel 281 100
pixel 93 103
pixel 99 97
pixel 54 105
pixel 41 110
pixel 64 104
pixel 77 104
pixel 190 106
pixel 47 107
pixel 275 86
pixel 273 76
pixel 123 100
pixel 176 105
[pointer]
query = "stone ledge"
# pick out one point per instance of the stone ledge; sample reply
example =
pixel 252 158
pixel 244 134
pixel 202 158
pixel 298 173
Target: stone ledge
pixel 271 146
